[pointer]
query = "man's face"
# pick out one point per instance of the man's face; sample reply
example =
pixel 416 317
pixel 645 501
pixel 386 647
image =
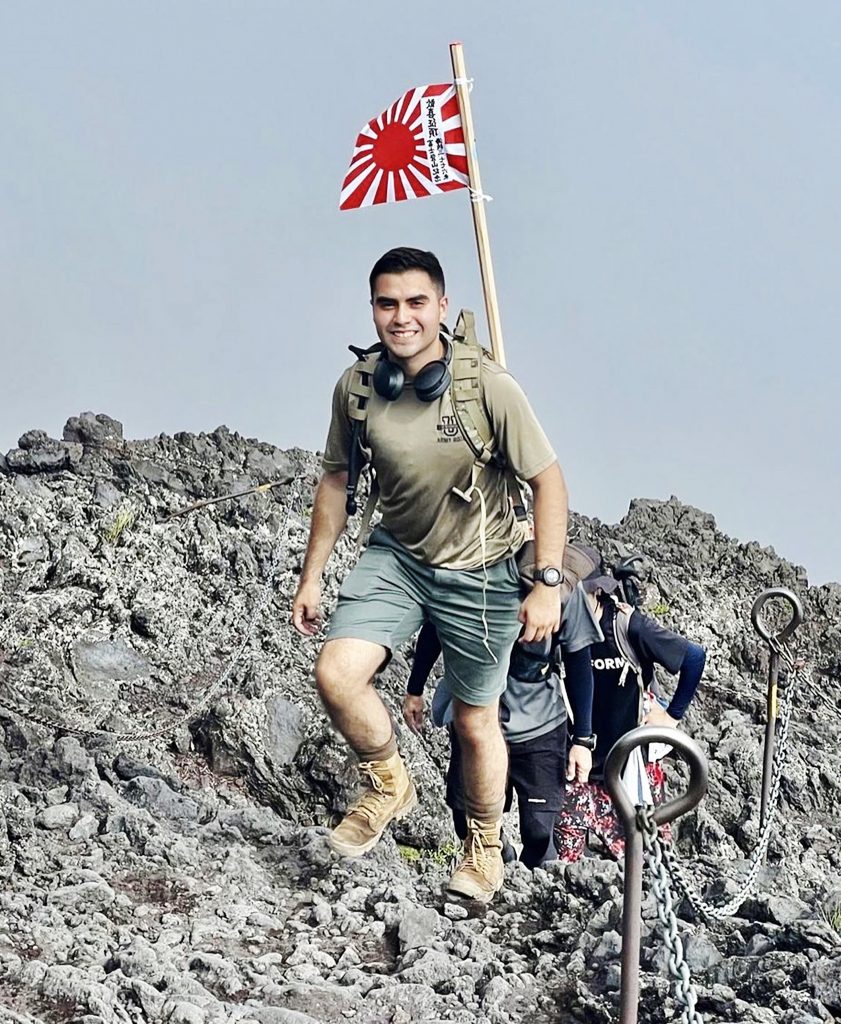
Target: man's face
pixel 408 311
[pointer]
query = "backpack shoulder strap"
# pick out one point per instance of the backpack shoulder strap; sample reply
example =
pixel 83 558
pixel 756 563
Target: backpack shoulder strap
pixel 470 410
pixel 621 628
pixel 468 403
pixel 359 392
pixel 360 381
pixel 621 624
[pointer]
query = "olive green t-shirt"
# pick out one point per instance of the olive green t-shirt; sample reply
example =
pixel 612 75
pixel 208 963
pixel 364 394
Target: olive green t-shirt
pixel 419 456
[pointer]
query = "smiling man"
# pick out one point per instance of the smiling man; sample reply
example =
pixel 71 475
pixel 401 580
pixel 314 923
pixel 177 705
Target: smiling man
pixel 443 553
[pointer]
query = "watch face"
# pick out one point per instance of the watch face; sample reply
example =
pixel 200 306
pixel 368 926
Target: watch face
pixel 551 576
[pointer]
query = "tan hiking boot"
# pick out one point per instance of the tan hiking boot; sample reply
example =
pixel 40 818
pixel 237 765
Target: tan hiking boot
pixel 390 795
pixel 480 873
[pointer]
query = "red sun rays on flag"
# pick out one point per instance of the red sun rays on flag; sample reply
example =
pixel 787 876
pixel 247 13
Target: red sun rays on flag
pixel 415 148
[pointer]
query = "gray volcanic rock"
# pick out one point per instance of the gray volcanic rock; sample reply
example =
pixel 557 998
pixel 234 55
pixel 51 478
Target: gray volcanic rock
pixel 100 665
pixel 92 428
pixel 167 775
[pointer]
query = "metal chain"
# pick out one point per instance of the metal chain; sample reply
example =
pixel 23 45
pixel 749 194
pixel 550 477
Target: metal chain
pixel 132 449
pixel 25 597
pixel 674 866
pixel 678 968
pixel 785 652
pixel 71 725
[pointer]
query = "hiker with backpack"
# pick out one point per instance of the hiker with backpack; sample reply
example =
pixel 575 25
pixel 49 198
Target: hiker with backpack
pixel 445 429
pixel 534 721
pixel 625 695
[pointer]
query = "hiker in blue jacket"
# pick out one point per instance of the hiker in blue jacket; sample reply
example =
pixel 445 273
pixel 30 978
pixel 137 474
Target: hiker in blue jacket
pixel 625 695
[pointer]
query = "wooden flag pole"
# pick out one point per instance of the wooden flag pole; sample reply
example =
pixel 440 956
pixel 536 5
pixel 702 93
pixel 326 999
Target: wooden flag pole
pixel 480 224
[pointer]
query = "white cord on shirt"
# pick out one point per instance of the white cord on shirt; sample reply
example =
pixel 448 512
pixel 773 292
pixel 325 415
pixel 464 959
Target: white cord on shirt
pixel 467 495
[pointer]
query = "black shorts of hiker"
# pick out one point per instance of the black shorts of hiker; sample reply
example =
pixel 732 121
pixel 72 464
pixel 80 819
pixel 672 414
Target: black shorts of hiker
pixel 536 772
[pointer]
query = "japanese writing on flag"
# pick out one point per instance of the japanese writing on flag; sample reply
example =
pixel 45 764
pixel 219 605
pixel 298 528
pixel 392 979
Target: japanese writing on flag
pixel 415 148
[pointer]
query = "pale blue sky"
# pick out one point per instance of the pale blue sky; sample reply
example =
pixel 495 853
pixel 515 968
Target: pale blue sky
pixel 665 228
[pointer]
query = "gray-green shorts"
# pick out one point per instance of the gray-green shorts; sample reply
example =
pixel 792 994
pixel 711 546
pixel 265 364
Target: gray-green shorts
pixel 389 594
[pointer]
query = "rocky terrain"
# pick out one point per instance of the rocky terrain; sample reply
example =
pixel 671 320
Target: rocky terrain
pixel 167 778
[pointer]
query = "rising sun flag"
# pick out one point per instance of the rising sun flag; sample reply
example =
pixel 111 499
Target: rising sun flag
pixel 415 148
pixel 421 145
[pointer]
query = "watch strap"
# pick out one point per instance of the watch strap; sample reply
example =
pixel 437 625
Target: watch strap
pixel 585 741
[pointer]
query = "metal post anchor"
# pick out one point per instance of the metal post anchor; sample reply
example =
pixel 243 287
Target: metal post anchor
pixel 774 640
pixel 625 809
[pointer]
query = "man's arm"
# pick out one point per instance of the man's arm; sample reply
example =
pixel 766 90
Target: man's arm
pixel 427 650
pixel 328 521
pixel 578 677
pixel 540 613
pixel 656 644
pixel 691 670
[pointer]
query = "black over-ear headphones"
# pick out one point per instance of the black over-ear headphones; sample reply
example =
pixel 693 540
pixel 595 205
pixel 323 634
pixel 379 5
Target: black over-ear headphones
pixel 432 381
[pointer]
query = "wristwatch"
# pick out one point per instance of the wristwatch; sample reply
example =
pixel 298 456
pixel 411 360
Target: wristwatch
pixel 585 741
pixel 548 575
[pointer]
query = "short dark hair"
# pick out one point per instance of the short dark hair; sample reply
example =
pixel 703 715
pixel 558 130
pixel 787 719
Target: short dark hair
pixel 403 259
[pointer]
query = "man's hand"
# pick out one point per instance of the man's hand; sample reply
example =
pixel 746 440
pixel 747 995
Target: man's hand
pixel 413 712
pixel 306 614
pixel 540 613
pixel 328 521
pixel 579 763
pixel 659 716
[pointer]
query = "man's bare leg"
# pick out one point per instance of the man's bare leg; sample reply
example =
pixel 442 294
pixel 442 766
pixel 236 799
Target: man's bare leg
pixel 484 759
pixel 344 676
pixel 480 872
